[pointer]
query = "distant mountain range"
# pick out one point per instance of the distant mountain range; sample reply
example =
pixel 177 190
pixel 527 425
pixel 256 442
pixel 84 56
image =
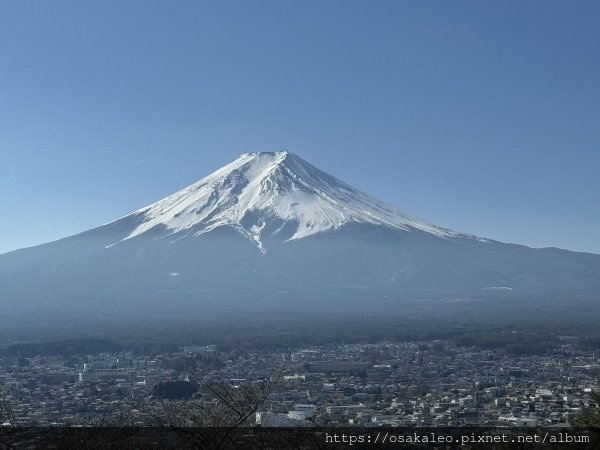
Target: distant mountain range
pixel 270 234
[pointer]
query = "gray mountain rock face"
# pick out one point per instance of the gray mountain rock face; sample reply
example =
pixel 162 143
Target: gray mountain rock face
pixel 271 235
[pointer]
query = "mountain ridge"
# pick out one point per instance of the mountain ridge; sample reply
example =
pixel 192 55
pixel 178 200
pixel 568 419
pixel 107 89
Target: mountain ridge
pixel 153 263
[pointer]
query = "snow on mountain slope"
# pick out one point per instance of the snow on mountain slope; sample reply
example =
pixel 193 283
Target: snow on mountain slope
pixel 259 190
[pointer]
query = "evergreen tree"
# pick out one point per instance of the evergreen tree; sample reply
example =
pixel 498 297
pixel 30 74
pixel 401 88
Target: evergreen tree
pixel 590 418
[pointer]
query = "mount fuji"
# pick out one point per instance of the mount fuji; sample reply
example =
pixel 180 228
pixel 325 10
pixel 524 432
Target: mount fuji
pixel 270 234
pixel 262 195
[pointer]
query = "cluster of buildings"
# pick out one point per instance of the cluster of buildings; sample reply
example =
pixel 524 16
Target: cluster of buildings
pixel 436 384
pixel 385 384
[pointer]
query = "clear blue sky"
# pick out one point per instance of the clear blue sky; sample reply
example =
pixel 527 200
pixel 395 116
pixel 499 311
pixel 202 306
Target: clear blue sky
pixel 480 116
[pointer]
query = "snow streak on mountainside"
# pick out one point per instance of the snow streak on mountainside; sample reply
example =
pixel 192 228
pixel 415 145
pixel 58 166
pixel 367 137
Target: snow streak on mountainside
pixel 270 194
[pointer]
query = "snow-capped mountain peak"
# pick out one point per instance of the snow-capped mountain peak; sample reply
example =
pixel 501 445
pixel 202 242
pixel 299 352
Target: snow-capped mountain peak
pixel 270 193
